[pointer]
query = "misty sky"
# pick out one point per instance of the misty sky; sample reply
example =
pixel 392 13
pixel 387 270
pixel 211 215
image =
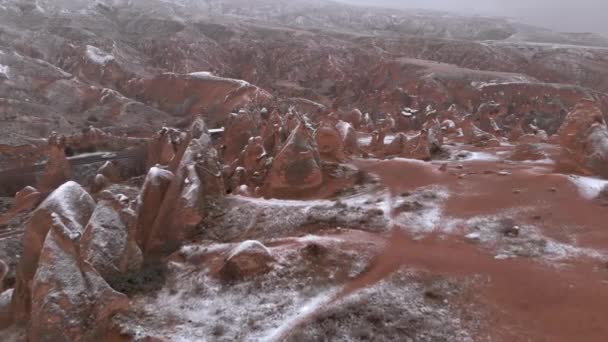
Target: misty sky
pixel 560 15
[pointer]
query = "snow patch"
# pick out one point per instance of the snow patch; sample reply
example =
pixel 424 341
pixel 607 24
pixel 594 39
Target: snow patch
pixel 206 75
pixel 365 141
pixel 98 56
pixel 4 70
pixel 300 315
pixel 344 128
pixel 250 245
pixel 488 231
pixel 426 218
pixel 283 203
pixel 588 187
pixel 480 156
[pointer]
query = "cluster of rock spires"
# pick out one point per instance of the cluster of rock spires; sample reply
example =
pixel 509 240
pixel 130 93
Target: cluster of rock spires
pixel 78 242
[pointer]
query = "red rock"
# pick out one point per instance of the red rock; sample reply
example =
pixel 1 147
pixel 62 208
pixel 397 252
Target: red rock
pixel 111 171
pixel 400 146
pixel 150 200
pixel 420 147
pixel 5 308
pixel 3 272
pixel 109 239
pixel 329 142
pixel 74 206
pixel 70 301
pixel 253 156
pixel 162 149
pixel 353 117
pixel 100 182
pixel 57 170
pixel 584 141
pixel 527 152
pixel 296 168
pixel 245 261
pixel 350 142
pixel 25 200
pixel 193 192
pixel 475 136
pixel 240 127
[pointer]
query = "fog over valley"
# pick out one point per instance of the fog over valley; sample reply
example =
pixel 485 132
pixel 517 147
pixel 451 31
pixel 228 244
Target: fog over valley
pixel 564 16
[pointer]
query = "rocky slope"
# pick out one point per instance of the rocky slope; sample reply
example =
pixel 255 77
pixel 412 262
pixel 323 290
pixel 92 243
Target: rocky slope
pixel 298 171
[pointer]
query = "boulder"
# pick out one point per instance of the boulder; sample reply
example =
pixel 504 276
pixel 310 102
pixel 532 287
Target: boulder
pixel 100 182
pixel 245 261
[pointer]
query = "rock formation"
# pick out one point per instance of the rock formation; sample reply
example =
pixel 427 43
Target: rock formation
pixel 70 301
pixel 247 260
pixel 57 170
pixel 296 168
pixel 108 241
pixel 71 204
pixel 584 141
pixel 192 194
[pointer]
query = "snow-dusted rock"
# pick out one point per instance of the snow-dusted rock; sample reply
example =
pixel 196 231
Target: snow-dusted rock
pixel 57 170
pixel 150 200
pixel 329 142
pixel 296 168
pixel 108 242
pixel 70 300
pixel 111 171
pixel 73 206
pixel 584 141
pixel 247 260
pixel 194 191
pixel 5 308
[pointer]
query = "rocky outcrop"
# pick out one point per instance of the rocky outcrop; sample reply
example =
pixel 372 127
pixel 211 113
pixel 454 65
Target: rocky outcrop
pixel 3 273
pixel 194 191
pixel 241 127
pixel 73 206
pixel 57 170
pixel 525 151
pixel 399 146
pixel 70 300
pixel 296 168
pixel 111 171
pixel 350 142
pixel 329 142
pixel 100 182
pixel 163 147
pixel 109 240
pixel 584 141
pixel 477 137
pixel 150 200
